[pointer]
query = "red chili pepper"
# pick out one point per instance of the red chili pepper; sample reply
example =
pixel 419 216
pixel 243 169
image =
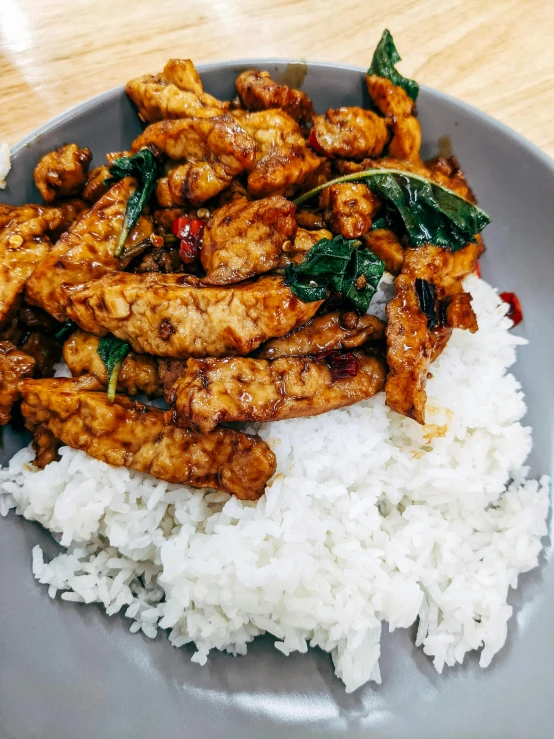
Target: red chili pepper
pixel 477 269
pixel 313 142
pixel 341 365
pixel 190 231
pixel 515 312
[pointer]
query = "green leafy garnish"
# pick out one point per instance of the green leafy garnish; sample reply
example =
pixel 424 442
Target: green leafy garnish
pixel 144 167
pixel 112 352
pixel 339 265
pixel 66 330
pixel 382 65
pixel 430 214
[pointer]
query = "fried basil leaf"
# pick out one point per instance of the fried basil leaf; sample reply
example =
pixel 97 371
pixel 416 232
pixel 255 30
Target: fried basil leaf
pixel 382 65
pixel 112 352
pixel 430 214
pixel 427 296
pixel 339 265
pixel 362 278
pixel 144 167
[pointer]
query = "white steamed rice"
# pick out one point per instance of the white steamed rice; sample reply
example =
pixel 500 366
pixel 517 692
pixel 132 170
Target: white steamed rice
pixel 370 518
pixel 5 164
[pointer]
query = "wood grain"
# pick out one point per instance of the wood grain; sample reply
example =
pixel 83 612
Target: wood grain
pixel 495 54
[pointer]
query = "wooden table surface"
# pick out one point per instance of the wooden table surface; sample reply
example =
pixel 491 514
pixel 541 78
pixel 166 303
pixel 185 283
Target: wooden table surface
pixel 496 54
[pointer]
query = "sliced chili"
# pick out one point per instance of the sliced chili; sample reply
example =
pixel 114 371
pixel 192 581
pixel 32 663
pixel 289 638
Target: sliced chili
pixel 514 313
pixel 190 232
pixel 341 365
pixel 313 142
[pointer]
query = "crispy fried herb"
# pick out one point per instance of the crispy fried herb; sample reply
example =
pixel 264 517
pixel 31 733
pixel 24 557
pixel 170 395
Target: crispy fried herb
pixel 427 296
pixel 66 330
pixel 112 352
pixel 339 265
pixel 144 167
pixel 382 65
pixel 429 213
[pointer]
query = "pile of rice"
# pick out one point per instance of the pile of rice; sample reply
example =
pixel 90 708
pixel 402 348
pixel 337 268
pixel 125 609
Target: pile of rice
pixel 5 164
pixel 370 518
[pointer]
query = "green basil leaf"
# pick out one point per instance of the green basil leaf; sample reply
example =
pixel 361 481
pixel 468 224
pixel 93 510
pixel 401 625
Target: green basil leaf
pixel 66 330
pixel 144 167
pixel 362 278
pixel 430 214
pixel 112 352
pixel 379 223
pixel 382 65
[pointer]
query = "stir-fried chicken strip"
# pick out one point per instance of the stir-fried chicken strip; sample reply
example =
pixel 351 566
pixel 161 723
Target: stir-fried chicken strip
pixel 385 244
pixel 94 187
pixel 63 172
pixel 23 246
pixel 138 372
pixel 442 267
pixel 259 92
pixel 86 252
pixel 349 133
pixel 350 207
pixel 399 109
pixel 246 238
pixel 283 161
pixel 411 346
pixel 242 389
pixel 176 316
pixel 130 434
pixel 215 149
pixel 175 93
pixel 330 332
pixel 14 366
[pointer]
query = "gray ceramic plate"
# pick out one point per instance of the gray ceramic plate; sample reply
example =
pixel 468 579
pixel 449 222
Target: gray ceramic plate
pixel 69 671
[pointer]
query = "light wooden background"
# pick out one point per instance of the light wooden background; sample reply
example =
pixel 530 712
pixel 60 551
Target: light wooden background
pixel 495 54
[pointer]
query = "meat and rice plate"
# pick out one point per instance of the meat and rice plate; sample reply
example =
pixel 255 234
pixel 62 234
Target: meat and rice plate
pixel 244 263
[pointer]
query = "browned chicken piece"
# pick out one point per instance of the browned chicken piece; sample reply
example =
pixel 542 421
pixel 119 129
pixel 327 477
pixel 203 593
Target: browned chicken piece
pixel 23 245
pixel 330 332
pixel 235 191
pixel 259 92
pixel 245 238
pixel 138 372
pixel 447 172
pixel 71 210
pixel 94 187
pixel 14 366
pixel 170 370
pixel 176 316
pixel 45 446
pixel 460 314
pixel 296 251
pixel 409 349
pixel 399 109
pixel 385 244
pixel 215 149
pixel 349 133
pixel 177 92
pixel 86 252
pixel 350 208
pixel 130 434
pixel 44 349
pixel 283 160
pixel 213 390
pixel 63 172
pixel 441 267
pixel 411 345
pixel 309 219
pixel 164 217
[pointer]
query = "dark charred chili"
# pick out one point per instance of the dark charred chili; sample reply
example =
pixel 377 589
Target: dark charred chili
pixel 427 295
